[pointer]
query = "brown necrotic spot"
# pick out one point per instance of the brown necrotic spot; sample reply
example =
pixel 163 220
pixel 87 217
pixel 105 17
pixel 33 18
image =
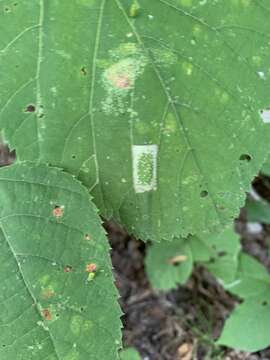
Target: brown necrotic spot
pixel 67 268
pixel 58 211
pixel 47 314
pixel 91 268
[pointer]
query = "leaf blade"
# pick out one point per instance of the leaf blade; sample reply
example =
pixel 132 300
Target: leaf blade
pixel 45 253
pixel 145 87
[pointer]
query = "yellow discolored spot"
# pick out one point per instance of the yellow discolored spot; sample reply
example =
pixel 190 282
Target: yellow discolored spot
pixel 187 67
pixel 187 3
pixel 73 355
pixel 224 97
pixel 170 124
pixel 47 293
pixel 134 9
pixel 246 3
pixel 197 30
pixel 165 57
pixel 256 60
pixel 76 325
pixel 44 280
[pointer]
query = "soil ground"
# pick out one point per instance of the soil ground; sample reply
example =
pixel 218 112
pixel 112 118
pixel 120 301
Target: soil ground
pixel 180 324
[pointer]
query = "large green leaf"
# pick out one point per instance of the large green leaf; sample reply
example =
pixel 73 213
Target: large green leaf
pixel 52 306
pixel 154 105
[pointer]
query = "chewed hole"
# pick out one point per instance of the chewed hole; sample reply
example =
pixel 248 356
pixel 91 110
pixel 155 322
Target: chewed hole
pixel 83 71
pixel 245 157
pixel 265 115
pixel 30 108
pixel 222 253
pixel 264 303
pixel 73 156
pixel 204 193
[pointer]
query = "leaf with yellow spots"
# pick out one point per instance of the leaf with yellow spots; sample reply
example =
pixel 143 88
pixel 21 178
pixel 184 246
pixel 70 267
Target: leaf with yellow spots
pixel 48 308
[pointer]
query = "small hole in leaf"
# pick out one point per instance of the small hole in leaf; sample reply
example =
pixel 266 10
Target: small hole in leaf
pixel 73 156
pixel 204 193
pixel 83 71
pixel 30 108
pixel 3 345
pixel 222 253
pixel 264 303
pixel 82 309
pixel 87 237
pixel 57 315
pixel 245 157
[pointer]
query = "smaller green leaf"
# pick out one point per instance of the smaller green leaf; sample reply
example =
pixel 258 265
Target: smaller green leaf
pixel 258 211
pixel 129 354
pixel 248 327
pixel 169 264
pixel 224 249
pixel 252 278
